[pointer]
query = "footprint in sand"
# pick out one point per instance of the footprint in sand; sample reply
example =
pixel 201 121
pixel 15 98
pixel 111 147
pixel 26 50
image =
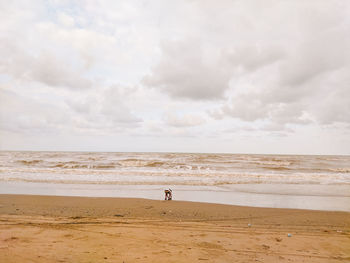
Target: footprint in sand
pixel 266 247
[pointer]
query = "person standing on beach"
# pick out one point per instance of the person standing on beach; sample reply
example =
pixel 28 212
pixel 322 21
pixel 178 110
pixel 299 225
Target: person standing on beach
pixel 168 194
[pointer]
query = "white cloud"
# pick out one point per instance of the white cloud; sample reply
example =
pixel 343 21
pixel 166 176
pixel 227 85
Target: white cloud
pixel 184 72
pixel 66 19
pixel 45 68
pixel 264 70
pixel 251 58
pixel 106 108
pixel 187 120
pixel 188 69
pixel 21 115
pixel 305 81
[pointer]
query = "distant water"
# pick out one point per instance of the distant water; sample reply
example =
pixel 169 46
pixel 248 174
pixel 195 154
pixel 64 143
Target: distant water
pixel 282 181
pixel 172 168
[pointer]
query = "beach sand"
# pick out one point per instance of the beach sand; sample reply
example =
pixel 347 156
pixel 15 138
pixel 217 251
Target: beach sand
pixel 82 229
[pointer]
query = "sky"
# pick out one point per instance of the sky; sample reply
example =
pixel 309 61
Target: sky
pixel 175 76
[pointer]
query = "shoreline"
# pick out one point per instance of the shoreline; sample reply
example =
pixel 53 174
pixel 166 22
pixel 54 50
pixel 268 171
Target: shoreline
pixel 309 197
pixel 83 229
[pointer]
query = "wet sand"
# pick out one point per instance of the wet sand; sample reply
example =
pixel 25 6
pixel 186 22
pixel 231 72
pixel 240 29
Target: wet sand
pixel 294 196
pixel 82 229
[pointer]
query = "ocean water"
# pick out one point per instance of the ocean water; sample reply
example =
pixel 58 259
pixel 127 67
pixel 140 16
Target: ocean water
pixel 266 180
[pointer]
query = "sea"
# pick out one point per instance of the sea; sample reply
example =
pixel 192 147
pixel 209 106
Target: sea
pixel 284 181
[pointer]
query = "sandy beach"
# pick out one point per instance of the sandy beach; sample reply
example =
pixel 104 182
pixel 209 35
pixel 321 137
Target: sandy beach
pixel 81 229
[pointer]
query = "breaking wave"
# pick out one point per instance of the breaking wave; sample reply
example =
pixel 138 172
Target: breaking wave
pixel 172 168
pixel 29 162
pixel 83 166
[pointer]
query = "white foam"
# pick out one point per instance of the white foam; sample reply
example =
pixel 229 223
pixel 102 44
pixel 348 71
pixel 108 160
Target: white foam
pixel 181 169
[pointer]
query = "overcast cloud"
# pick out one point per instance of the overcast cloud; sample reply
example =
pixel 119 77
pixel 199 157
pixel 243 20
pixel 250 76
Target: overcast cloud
pixel 202 76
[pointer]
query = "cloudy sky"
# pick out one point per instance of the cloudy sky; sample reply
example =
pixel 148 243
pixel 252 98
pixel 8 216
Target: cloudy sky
pixel 176 76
